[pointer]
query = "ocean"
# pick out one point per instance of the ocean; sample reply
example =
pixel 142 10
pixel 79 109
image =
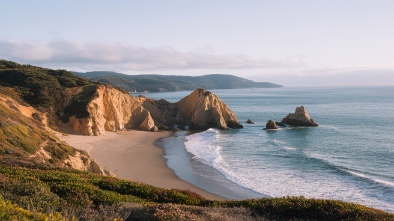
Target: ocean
pixel 349 157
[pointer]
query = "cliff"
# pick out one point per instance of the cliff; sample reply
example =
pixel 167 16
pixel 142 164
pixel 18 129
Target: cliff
pixel 26 140
pixel 202 109
pixel 74 105
pixel 110 109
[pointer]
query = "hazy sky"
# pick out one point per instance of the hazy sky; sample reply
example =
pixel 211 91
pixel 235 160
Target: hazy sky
pixel 293 42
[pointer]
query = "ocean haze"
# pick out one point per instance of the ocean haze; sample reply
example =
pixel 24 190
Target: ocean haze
pixel 378 77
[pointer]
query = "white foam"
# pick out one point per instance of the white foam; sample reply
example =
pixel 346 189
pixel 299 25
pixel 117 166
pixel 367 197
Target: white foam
pixel 385 182
pixel 271 178
pixel 202 146
pixel 284 145
pixel 336 128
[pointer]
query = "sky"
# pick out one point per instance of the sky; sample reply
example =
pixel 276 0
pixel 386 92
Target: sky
pixel 289 42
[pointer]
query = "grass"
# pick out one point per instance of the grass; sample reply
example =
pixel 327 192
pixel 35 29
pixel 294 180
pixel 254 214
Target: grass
pixel 21 137
pixel 10 211
pixel 77 194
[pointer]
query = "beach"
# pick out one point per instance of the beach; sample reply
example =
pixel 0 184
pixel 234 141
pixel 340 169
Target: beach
pixel 133 155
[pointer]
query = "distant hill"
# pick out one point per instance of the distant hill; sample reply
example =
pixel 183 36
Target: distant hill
pixel 162 83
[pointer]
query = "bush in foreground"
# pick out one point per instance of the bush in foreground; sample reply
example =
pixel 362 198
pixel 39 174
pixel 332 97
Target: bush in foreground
pixel 85 196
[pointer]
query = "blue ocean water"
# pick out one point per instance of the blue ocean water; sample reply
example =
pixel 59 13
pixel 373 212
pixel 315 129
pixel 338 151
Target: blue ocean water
pixel 349 157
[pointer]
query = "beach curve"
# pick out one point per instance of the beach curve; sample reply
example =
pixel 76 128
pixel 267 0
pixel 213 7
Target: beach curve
pixel 133 155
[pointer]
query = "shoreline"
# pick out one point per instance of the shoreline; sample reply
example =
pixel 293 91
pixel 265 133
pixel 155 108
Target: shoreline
pixel 134 155
pixel 191 170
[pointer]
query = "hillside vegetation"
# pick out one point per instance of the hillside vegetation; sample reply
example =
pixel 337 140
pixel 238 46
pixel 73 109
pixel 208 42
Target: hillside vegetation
pixel 36 187
pixel 88 196
pixel 58 93
pixel 21 138
pixel 161 83
pixel 37 85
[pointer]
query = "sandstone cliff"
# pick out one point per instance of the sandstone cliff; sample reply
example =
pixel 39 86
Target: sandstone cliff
pixel 111 109
pixel 164 113
pixel 26 140
pixel 203 110
pixel 200 110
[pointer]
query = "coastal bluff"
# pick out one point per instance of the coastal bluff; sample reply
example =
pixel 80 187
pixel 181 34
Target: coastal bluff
pixel 110 109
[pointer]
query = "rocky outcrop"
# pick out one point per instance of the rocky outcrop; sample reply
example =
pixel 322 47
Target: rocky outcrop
pixel 299 118
pixel 164 113
pixel 109 110
pixel 46 149
pixel 249 121
pixel 148 124
pixel 82 161
pixel 271 125
pixel 202 109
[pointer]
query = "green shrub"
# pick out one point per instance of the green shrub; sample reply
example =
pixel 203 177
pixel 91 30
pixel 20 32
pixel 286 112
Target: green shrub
pixel 10 211
pixel 76 192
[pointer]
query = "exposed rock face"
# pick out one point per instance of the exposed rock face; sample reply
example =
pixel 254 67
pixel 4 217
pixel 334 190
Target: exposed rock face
pixel 27 118
pixel 299 118
pixel 271 125
pixel 204 110
pixel 82 161
pixel 164 113
pixel 111 109
pixel 147 124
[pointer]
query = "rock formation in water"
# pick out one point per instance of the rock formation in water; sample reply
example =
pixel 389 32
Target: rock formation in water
pixel 203 110
pixel 249 121
pixel 271 125
pixel 299 118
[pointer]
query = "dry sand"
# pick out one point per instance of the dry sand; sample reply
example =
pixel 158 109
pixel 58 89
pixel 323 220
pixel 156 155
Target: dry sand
pixel 133 155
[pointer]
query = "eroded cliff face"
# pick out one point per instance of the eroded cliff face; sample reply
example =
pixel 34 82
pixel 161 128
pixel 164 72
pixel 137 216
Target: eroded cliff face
pixel 109 110
pixel 27 140
pixel 164 113
pixel 203 109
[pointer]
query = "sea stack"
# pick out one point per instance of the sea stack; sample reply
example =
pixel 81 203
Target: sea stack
pixel 299 118
pixel 271 125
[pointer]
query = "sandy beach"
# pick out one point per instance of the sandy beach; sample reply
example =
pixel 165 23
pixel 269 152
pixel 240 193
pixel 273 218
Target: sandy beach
pixel 133 155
